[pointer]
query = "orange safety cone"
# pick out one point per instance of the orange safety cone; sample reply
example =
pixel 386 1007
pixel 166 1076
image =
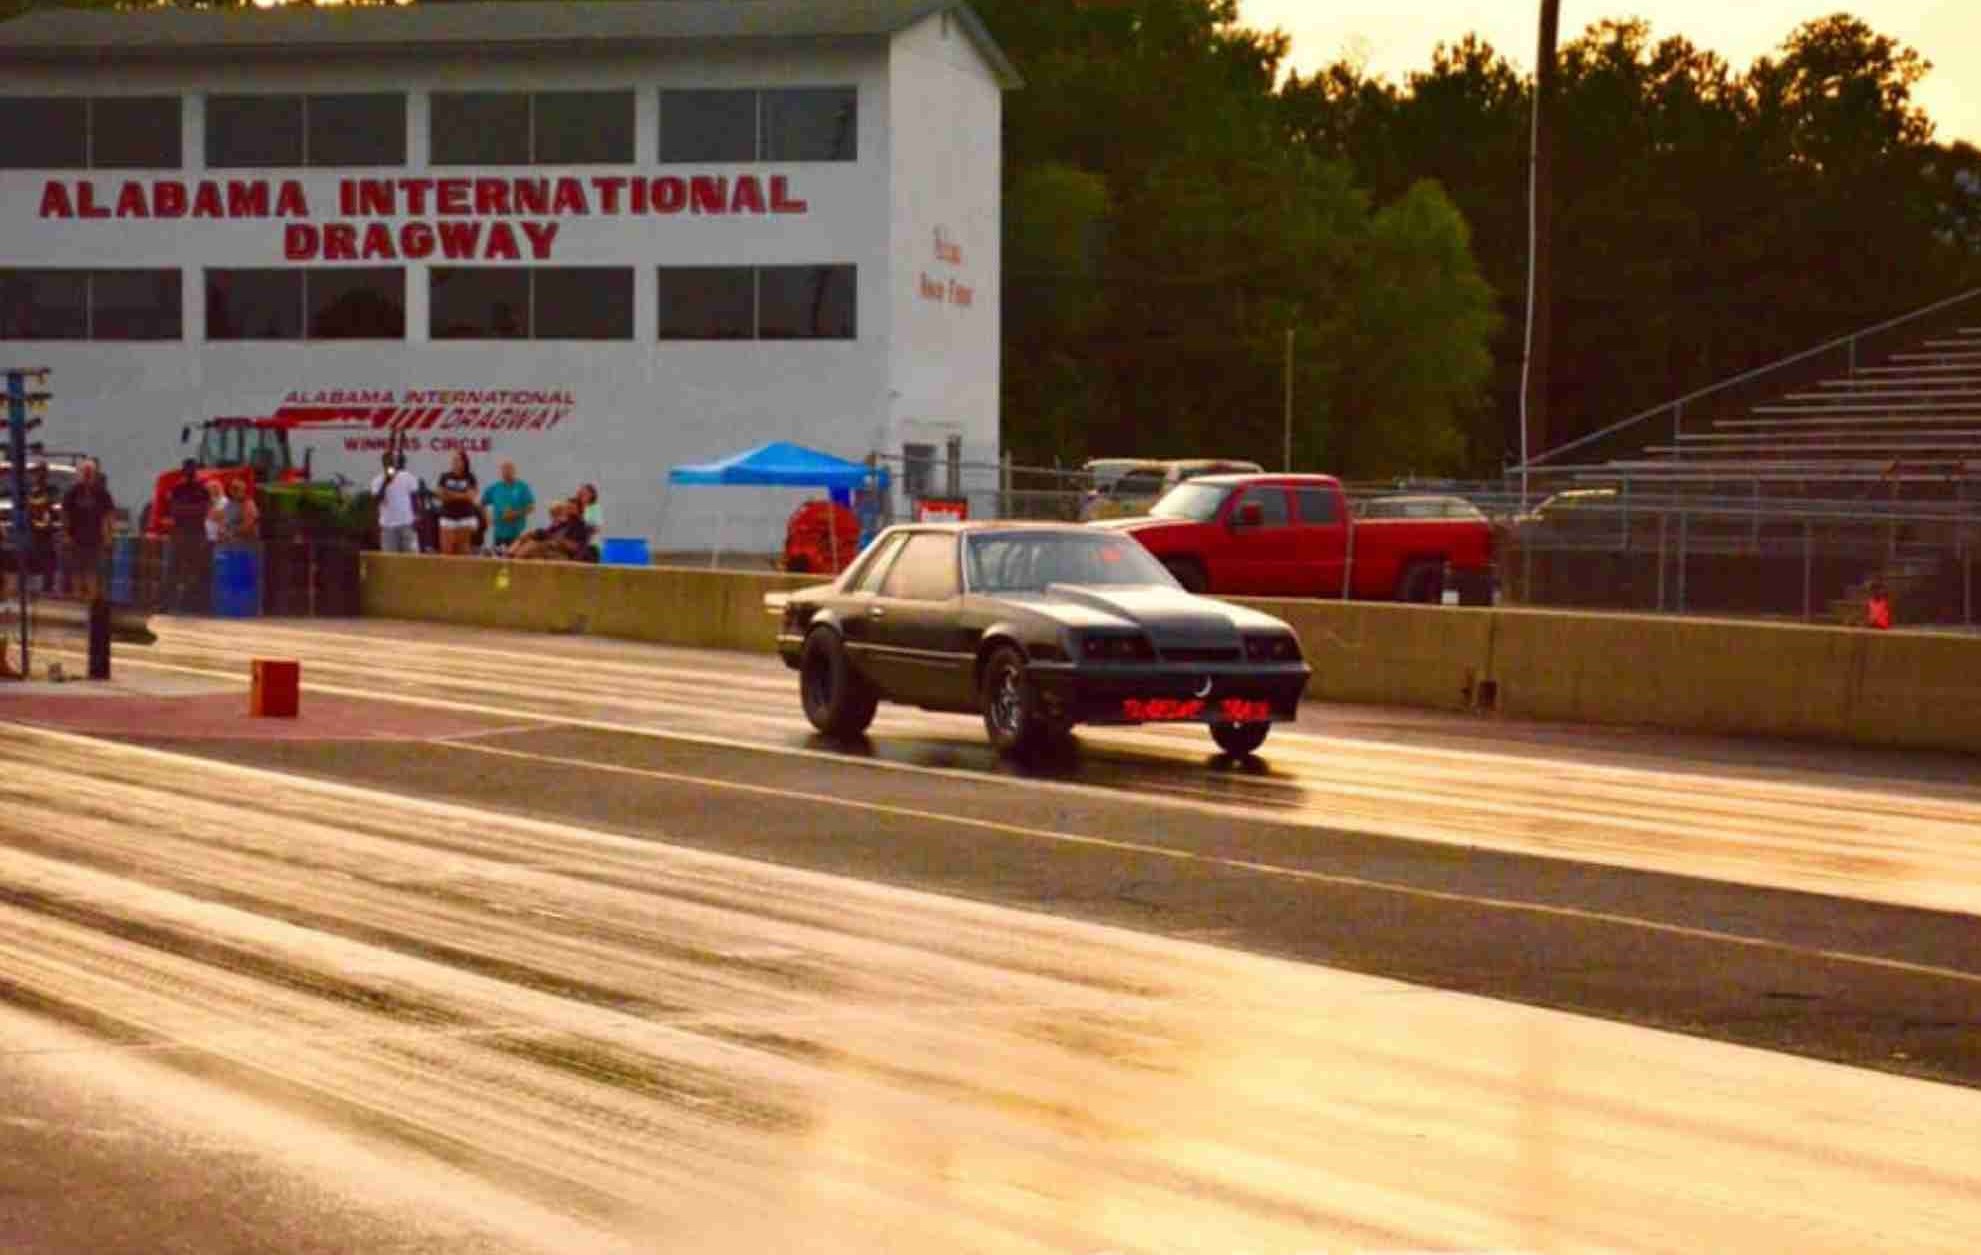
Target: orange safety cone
pixel 277 689
pixel 1878 610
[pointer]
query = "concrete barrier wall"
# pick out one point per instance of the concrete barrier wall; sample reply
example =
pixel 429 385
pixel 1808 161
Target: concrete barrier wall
pixel 1899 689
pixel 665 605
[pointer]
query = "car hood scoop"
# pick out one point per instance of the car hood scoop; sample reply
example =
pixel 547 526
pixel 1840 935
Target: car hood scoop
pixel 1170 616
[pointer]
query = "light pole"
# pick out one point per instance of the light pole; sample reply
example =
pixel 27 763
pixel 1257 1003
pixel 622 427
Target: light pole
pixel 1287 418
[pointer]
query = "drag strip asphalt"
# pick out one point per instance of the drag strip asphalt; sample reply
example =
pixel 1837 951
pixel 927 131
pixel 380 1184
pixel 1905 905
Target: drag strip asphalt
pixel 1871 984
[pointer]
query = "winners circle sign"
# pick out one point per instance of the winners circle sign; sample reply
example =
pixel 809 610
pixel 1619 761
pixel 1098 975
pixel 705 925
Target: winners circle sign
pixel 454 218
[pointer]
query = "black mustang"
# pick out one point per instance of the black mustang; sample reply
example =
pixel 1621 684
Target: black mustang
pixel 1038 627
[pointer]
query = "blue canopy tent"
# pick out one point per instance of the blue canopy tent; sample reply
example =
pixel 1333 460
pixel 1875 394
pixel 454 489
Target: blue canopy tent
pixel 781 464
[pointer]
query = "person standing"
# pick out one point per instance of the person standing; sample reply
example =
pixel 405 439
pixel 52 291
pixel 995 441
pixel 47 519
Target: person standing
pixel 41 528
pixel 86 514
pixel 187 505
pixel 235 518
pixel 509 502
pixel 460 506
pixel 394 489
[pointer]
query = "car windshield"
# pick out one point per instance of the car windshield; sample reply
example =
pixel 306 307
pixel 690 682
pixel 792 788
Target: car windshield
pixel 1194 501
pixel 1012 562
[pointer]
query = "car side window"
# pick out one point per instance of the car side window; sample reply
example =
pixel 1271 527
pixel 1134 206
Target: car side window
pixel 1271 502
pixel 926 569
pixel 1317 505
pixel 869 578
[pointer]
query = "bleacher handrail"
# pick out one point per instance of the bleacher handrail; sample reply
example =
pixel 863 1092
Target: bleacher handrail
pixel 1841 342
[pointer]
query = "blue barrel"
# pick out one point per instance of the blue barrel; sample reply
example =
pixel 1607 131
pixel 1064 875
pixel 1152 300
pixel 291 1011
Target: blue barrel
pixel 237 581
pixel 125 553
pixel 624 551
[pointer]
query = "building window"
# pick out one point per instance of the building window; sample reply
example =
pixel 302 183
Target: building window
pixel 90 305
pixel 811 124
pixel 782 124
pixel 520 128
pixel 708 126
pixel 363 129
pixel 806 303
pixel 79 133
pixel 708 303
pixel 581 128
pixel 356 303
pixel 918 470
pixel 250 132
pixel 759 303
pixel 525 303
pixel 323 303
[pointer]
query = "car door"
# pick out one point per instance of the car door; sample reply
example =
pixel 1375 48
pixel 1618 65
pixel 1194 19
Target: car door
pixel 1320 540
pixel 854 607
pixel 913 619
pixel 1263 550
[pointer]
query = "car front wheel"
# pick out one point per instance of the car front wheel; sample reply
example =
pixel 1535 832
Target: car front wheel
pixel 837 700
pixel 1239 739
pixel 1012 717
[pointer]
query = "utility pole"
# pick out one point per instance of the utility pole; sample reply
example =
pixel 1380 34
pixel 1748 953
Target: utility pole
pixel 1287 460
pixel 1540 229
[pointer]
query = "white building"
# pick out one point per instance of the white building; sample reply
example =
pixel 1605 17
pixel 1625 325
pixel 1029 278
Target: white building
pixel 599 239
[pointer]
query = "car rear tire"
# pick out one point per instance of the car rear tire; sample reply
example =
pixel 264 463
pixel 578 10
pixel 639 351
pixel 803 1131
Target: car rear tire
pixel 1239 739
pixel 1012 716
pixel 837 700
pixel 1422 583
pixel 1190 573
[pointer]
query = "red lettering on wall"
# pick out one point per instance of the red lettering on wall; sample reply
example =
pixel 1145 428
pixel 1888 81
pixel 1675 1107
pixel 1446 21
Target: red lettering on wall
pixel 569 198
pixel 415 191
pixel 458 239
pixel 608 188
pixel 492 197
pixel 378 243
pixel 340 242
pixel 86 206
pixel 502 243
pixel 375 197
pixel 541 236
pixel 454 196
pixel 247 200
pixel 130 202
pixel 639 196
pixel 300 241
pixel 781 200
pixel 670 195
pixel 708 194
pixel 55 200
pixel 748 196
pixel 290 201
pixel 416 240
pixel 206 202
pixel 532 196
pixel 168 198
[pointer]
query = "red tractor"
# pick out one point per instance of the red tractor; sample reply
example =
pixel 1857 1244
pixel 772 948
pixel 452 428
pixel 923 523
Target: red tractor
pixel 253 450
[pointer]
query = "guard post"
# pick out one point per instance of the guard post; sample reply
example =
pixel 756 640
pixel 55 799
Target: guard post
pixel 20 402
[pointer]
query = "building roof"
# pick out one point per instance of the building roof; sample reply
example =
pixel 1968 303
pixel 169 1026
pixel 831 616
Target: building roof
pixel 95 36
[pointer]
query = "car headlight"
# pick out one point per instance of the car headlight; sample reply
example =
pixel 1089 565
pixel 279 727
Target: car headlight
pixel 1117 647
pixel 1272 647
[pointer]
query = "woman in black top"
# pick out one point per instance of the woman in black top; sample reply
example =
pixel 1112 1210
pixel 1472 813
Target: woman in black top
pixel 460 506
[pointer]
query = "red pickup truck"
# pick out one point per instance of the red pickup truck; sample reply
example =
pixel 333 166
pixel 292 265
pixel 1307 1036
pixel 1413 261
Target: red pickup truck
pixel 1294 536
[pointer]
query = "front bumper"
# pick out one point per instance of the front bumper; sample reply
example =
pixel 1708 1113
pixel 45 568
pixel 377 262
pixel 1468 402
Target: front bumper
pixel 1170 692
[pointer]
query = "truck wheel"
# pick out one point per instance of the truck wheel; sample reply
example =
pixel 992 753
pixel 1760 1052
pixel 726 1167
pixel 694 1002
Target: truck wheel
pixel 837 700
pixel 1190 573
pixel 1421 582
pixel 1239 739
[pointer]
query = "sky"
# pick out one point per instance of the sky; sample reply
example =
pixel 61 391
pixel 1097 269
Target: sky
pixel 1392 38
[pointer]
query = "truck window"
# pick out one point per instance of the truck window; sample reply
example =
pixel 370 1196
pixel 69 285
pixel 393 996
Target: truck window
pixel 1317 505
pixel 1271 502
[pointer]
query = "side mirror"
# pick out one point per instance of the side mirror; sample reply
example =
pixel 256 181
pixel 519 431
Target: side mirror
pixel 1249 514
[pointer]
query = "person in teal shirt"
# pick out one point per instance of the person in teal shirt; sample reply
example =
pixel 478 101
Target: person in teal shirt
pixel 509 502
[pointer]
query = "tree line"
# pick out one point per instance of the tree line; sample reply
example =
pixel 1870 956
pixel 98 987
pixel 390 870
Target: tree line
pixel 1174 207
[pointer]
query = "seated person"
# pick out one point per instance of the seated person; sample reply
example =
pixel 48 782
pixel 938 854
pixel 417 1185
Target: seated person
pixel 564 539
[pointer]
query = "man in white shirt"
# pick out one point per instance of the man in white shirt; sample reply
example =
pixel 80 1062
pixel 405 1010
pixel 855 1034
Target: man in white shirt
pixel 394 490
